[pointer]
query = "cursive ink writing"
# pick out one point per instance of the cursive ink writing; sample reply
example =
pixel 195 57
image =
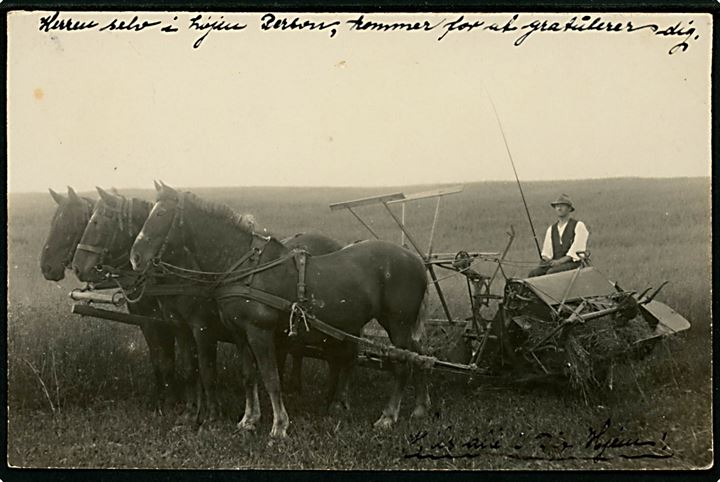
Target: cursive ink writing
pixel 588 23
pixel 462 25
pixel 518 27
pixel 208 25
pixel 602 444
pixel 54 22
pixel 134 25
pixel 361 24
pixel 600 441
pixel 270 22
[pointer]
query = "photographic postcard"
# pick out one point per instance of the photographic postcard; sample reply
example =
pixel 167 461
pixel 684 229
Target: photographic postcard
pixel 359 241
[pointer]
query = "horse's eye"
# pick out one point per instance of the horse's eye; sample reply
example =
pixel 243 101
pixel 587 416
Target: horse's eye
pixel 161 212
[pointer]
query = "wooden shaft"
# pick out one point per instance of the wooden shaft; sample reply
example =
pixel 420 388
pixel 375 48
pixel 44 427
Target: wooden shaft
pixel 439 292
pixel 410 238
pixel 363 223
pixel 126 318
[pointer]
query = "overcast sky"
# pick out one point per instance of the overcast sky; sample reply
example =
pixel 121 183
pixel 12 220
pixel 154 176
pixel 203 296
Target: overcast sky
pixel 362 108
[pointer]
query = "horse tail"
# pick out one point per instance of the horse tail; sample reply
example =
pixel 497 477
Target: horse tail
pixel 418 328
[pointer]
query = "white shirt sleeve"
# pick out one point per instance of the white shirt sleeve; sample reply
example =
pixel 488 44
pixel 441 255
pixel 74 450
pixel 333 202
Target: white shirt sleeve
pixel 547 250
pixel 580 242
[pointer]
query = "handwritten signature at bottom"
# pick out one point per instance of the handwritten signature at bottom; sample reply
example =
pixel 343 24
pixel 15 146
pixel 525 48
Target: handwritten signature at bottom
pixel 602 443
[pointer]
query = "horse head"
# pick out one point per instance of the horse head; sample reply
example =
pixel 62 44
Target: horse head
pixel 157 232
pixel 109 235
pixel 66 228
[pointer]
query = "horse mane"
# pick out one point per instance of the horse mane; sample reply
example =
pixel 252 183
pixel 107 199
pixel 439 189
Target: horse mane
pixel 222 212
pixel 126 210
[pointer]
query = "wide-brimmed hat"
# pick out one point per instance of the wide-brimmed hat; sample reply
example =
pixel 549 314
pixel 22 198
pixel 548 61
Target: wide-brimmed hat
pixel 563 199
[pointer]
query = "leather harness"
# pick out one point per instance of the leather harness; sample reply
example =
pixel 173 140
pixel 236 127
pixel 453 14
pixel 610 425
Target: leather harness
pixel 228 285
pixel 124 216
pixel 237 280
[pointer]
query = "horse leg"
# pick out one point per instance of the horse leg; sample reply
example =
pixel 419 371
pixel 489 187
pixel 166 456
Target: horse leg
pixel 333 380
pixel 401 338
pixel 401 372
pixel 252 401
pixel 161 347
pixel 422 393
pixel 262 343
pixel 281 358
pixel 296 374
pixel 345 362
pixel 188 355
pixel 207 361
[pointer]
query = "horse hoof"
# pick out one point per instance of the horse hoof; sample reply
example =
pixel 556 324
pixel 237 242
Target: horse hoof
pixel 384 422
pixel 419 412
pixel 246 425
pixel 277 435
pixel 186 418
pixel 337 408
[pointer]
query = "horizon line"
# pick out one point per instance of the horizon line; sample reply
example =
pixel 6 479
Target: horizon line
pixel 377 186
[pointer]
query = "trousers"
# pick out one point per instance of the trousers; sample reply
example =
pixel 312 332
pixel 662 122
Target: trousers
pixel 547 269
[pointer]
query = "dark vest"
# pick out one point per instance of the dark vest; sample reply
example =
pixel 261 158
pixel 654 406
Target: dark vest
pixel 562 245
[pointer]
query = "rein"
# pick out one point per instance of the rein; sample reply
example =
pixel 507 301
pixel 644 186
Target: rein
pixel 220 284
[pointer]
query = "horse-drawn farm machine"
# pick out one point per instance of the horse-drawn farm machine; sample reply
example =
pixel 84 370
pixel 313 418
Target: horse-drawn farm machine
pixel 574 324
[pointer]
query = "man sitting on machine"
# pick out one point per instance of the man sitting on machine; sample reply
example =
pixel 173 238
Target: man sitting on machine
pixel 565 241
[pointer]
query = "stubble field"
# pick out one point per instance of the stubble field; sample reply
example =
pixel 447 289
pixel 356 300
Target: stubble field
pixel 78 389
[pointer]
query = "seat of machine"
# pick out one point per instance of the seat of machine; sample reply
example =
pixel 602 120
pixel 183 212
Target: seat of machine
pixel 551 288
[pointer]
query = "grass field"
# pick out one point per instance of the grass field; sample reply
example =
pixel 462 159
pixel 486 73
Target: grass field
pixel 78 388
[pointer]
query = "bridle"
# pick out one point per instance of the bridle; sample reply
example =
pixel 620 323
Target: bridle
pixel 88 207
pixel 178 221
pixel 124 215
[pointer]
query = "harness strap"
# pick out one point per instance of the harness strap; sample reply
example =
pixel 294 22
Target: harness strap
pixel 301 265
pixel 257 246
pixel 255 294
pixel 91 248
pixel 178 290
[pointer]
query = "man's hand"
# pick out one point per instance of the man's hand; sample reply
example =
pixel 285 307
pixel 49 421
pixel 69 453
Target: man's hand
pixel 557 262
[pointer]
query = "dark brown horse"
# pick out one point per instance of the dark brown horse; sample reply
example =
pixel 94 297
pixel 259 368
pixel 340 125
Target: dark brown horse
pixel 348 288
pixel 107 241
pixel 66 228
pixel 100 245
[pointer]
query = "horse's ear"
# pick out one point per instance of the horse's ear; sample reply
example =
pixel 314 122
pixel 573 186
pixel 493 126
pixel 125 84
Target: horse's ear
pixel 58 198
pixel 105 196
pixel 158 187
pixel 72 195
pixel 114 191
pixel 167 189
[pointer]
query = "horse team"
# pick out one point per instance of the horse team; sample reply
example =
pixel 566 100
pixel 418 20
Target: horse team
pixel 183 238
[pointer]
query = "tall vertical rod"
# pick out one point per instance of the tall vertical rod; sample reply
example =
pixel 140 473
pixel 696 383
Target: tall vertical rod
pixel 432 229
pixel 512 163
pixel 402 233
